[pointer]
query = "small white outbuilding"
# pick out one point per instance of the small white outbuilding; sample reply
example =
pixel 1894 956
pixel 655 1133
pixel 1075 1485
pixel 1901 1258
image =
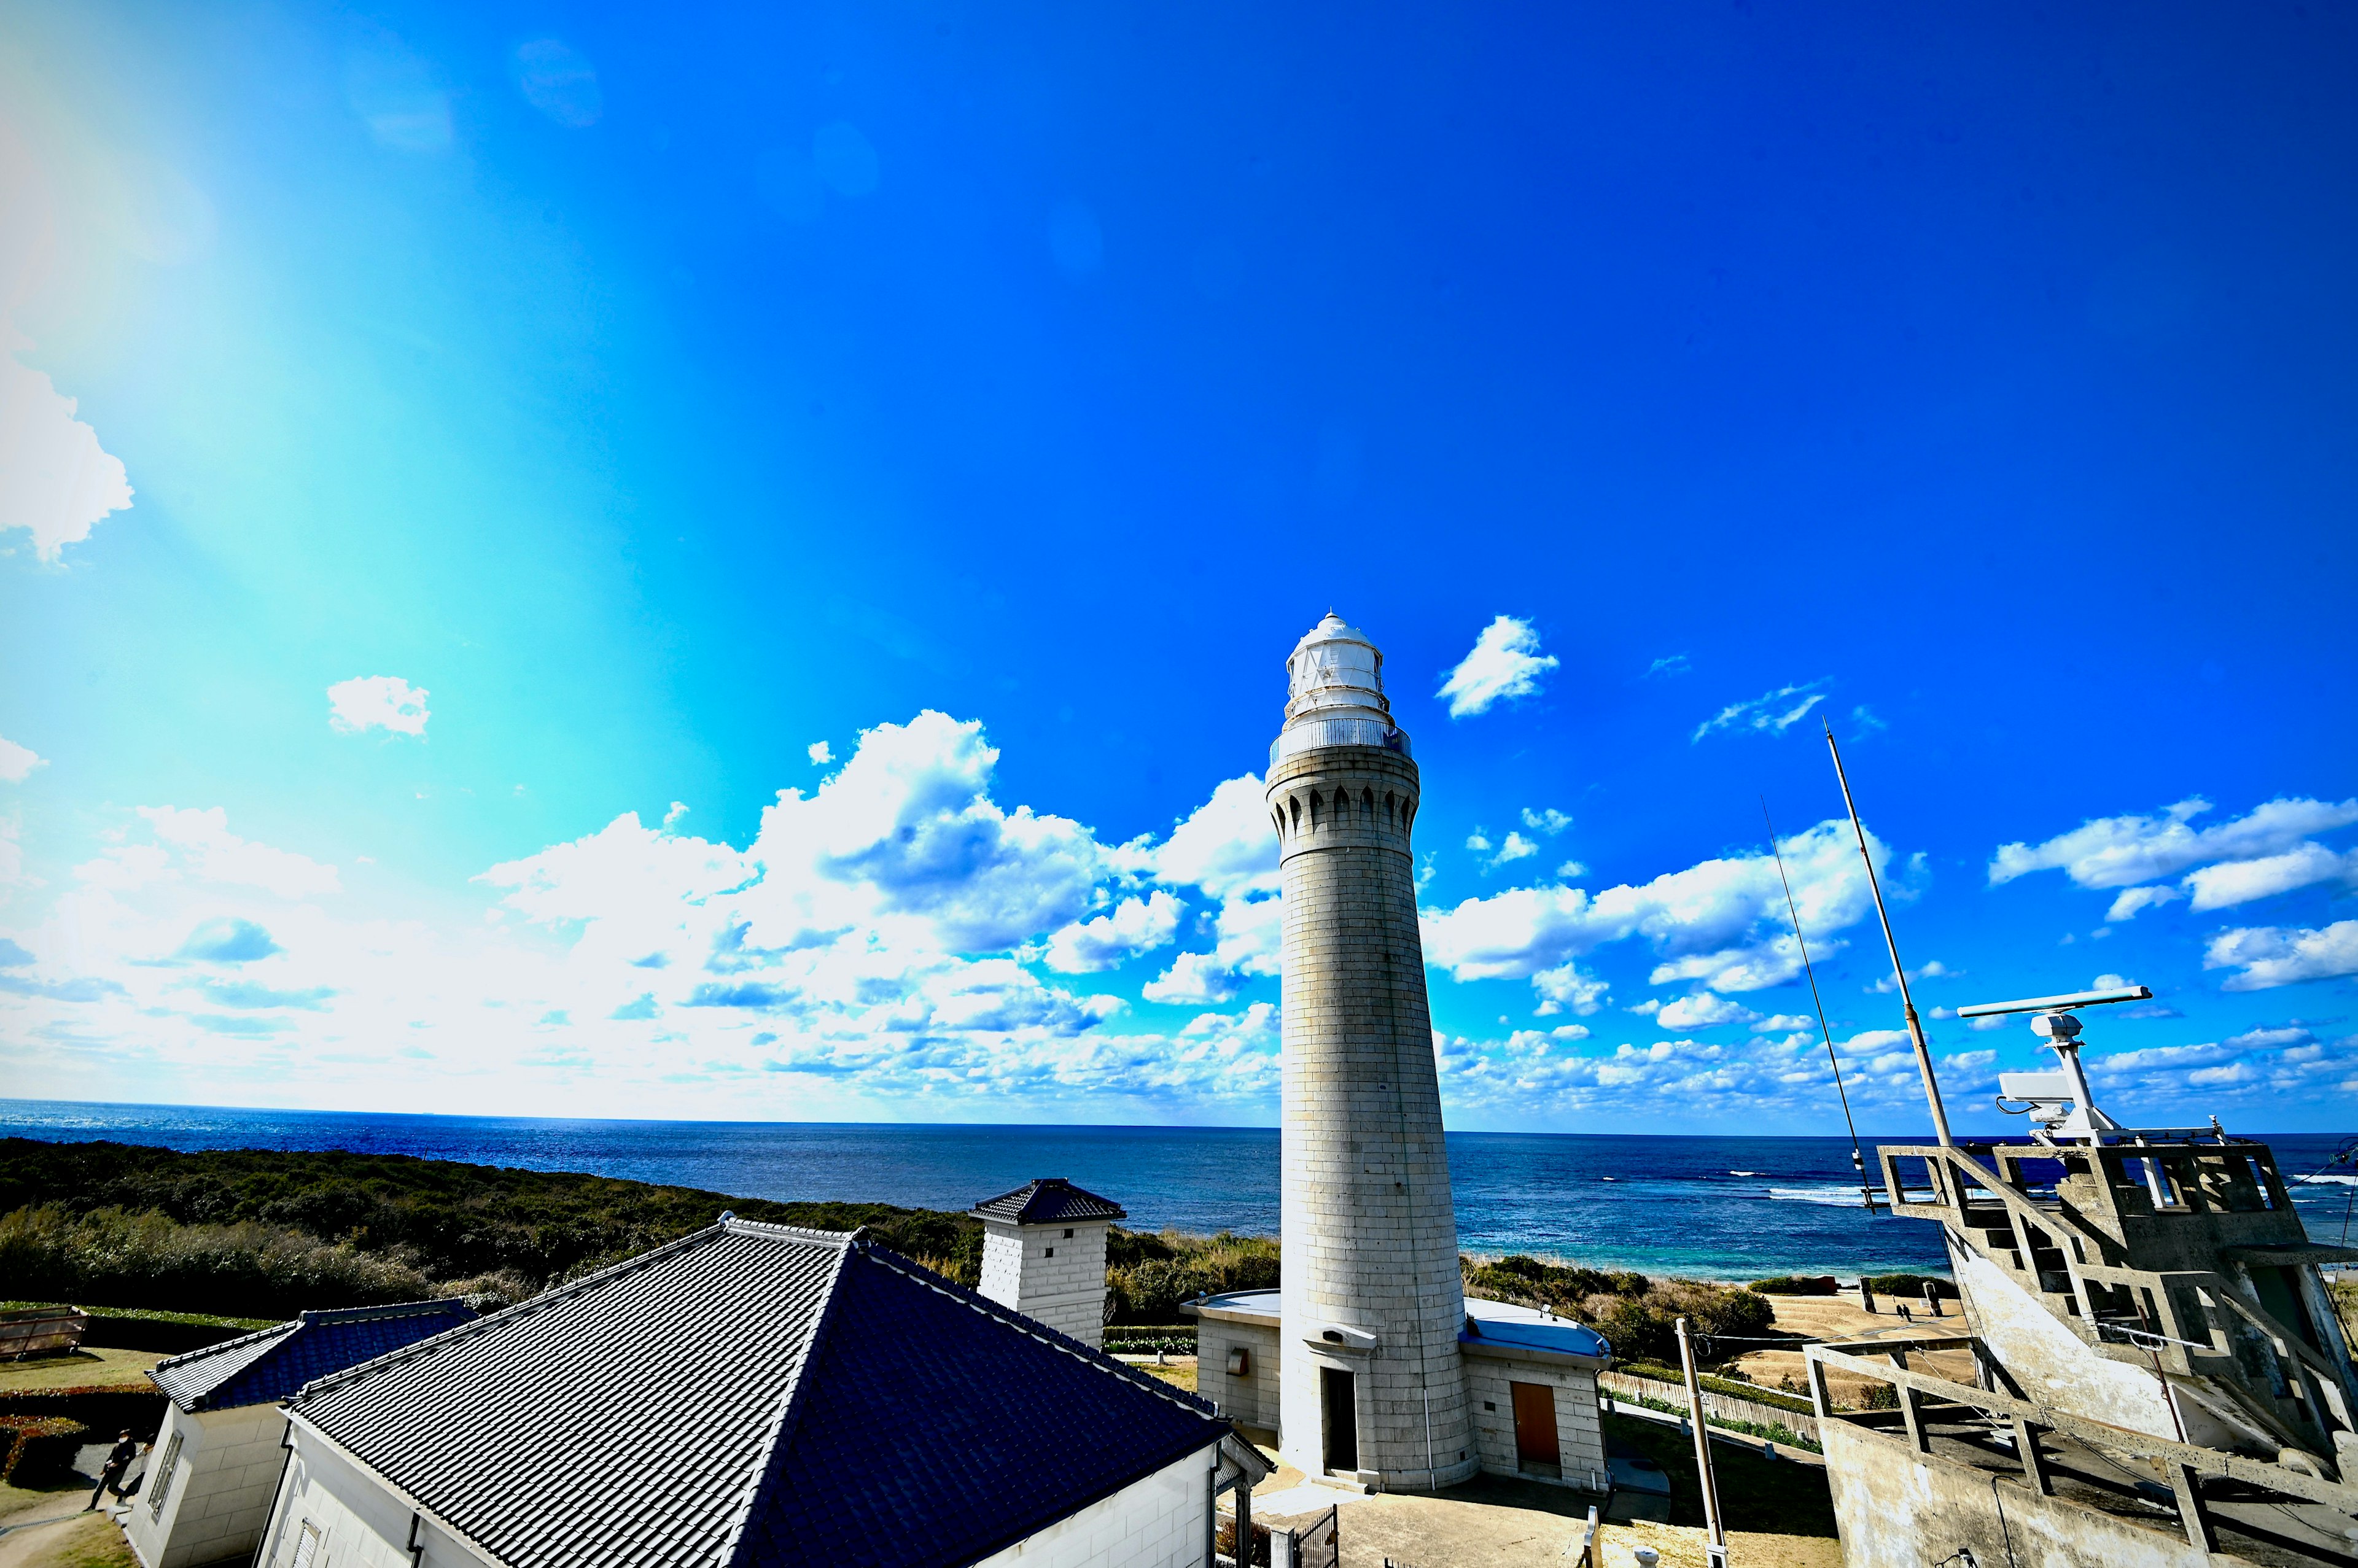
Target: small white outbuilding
pixel 217 1456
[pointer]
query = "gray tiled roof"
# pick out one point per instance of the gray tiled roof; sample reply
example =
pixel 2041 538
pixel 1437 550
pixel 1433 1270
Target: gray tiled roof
pixel 1052 1200
pixel 617 1419
pixel 741 1396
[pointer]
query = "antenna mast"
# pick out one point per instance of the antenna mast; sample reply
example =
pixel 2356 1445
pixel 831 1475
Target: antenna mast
pixel 1858 1161
pixel 1915 1025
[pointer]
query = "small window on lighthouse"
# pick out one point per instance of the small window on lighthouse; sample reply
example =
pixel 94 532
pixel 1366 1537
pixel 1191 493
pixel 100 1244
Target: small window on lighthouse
pixel 1050 1253
pixel 1068 1233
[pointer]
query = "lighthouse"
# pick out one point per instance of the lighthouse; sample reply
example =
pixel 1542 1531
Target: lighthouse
pixel 1371 1385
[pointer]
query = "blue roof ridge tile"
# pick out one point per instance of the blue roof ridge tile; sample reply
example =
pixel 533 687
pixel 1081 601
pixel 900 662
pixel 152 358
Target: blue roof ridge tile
pixel 370 1314
pixel 190 1357
pixel 789 1405
pixel 1195 1403
pixel 566 1292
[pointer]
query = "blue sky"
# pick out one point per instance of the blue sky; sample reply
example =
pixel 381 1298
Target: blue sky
pixel 459 462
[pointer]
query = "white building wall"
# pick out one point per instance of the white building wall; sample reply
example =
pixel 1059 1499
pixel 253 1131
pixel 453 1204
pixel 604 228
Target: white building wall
pixel 362 1523
pixel 1579 1432
pixel 1249 1400
pixel 219 1491
pixel 1159 1521
pixel 1054 1273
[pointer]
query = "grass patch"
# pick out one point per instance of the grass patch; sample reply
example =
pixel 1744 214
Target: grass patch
pixel 1178 1375
pixel 1722 1386
pixel 77 1369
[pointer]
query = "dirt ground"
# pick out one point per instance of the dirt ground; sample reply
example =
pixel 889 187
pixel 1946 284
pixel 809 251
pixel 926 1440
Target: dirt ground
pixel 49 1530
pixel 1839 1317
pixel 1779 1515
pixel 77 1368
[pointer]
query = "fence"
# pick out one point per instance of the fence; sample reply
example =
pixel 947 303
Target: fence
pixel 1715 1407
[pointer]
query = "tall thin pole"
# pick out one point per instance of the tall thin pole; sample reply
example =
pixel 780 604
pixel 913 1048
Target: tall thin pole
pixel 1899 973
pixel 1858 1161
pixel 1715 1534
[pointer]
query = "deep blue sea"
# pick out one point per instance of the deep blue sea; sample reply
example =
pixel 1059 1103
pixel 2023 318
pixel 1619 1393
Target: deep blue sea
pixel 1717 1207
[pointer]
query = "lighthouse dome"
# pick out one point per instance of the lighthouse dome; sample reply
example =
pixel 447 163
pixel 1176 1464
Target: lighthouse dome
pixel 1334 692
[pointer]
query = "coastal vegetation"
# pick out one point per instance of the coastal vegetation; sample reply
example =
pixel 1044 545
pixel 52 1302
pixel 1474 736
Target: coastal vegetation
pixel 1636 1314
pixel 258 1235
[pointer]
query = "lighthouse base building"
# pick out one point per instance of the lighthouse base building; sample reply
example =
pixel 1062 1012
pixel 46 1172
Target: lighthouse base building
pixel 1368 1364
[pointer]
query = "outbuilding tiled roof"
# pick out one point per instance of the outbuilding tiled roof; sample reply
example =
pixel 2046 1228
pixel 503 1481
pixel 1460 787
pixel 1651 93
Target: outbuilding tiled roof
pixel 754 1395
pixel 1052 1200
pixel 273 1363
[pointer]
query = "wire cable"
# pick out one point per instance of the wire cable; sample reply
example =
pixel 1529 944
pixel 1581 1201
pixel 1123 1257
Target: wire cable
pixel 1858 1161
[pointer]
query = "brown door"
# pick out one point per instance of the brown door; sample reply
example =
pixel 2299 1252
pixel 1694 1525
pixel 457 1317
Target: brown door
pixel 1535 1443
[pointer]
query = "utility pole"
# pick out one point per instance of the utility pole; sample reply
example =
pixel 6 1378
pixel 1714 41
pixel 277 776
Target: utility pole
pixel 1715 1532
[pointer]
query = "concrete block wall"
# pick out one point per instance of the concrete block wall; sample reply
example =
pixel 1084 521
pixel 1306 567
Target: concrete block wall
pixel 1249 1400
pixel 1158 1521
pixel 1055 1273
pixel 1579 1432
pixel 1370 1233
pixel 223 1478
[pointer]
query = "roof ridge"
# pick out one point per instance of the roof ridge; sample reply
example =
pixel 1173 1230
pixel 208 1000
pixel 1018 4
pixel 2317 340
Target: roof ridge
pixel 789 1404
pixel 513 1311
pixel 382 1309
pixel 1194 1403
pixel 215 1348
pixel 785 1232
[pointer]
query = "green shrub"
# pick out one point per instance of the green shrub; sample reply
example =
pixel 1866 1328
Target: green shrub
pixel 1910 1287
pixel 1796 1285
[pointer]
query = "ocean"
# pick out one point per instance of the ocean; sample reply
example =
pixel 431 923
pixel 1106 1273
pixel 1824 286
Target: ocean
pixel 1717 1208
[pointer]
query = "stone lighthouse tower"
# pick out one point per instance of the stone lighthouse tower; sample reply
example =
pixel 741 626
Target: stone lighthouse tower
pixel 1369 1380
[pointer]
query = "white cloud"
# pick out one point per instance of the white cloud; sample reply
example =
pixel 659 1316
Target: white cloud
pixel 2131 900
pixel 55 480
pixel 1784 1024
pixel 196 846
pixel 1136 925
pixel 1702 1011
pixel 2117 851
pixel 1478 841
pixel 1771 713
pixel 820 752
pixel 17 763
pixel 1933 971
pixel 2266 957
pixel 1550 821
pixel 1516 847
pixel 1193 976
pixel 1226 847
pixel 1505 664
pixel 1721 921
pixel 1668 665
pixel 377 702
pixel 2241 881
pixel 1565 988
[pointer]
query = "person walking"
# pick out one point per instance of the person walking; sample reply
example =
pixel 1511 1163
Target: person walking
pixel 118 1460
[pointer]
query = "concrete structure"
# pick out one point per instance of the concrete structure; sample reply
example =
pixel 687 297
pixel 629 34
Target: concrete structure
pixel 2160 1378
pixel 1363 1369
pixel 747 1396
pixel 1530 1380
pixel 216 1457
pixel 1369 1382
pixel 208 1489
pixel 1044 1254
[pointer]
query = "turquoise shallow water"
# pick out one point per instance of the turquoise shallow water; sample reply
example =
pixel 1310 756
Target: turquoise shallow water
pixel 1721 1208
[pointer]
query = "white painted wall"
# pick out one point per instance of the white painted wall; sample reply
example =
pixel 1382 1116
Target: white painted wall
pixel 1156 1522
pixel 362 1523
pixel 1252 1399
pixel 1579 1431
pixel 222 1481
pixel 1054 1273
